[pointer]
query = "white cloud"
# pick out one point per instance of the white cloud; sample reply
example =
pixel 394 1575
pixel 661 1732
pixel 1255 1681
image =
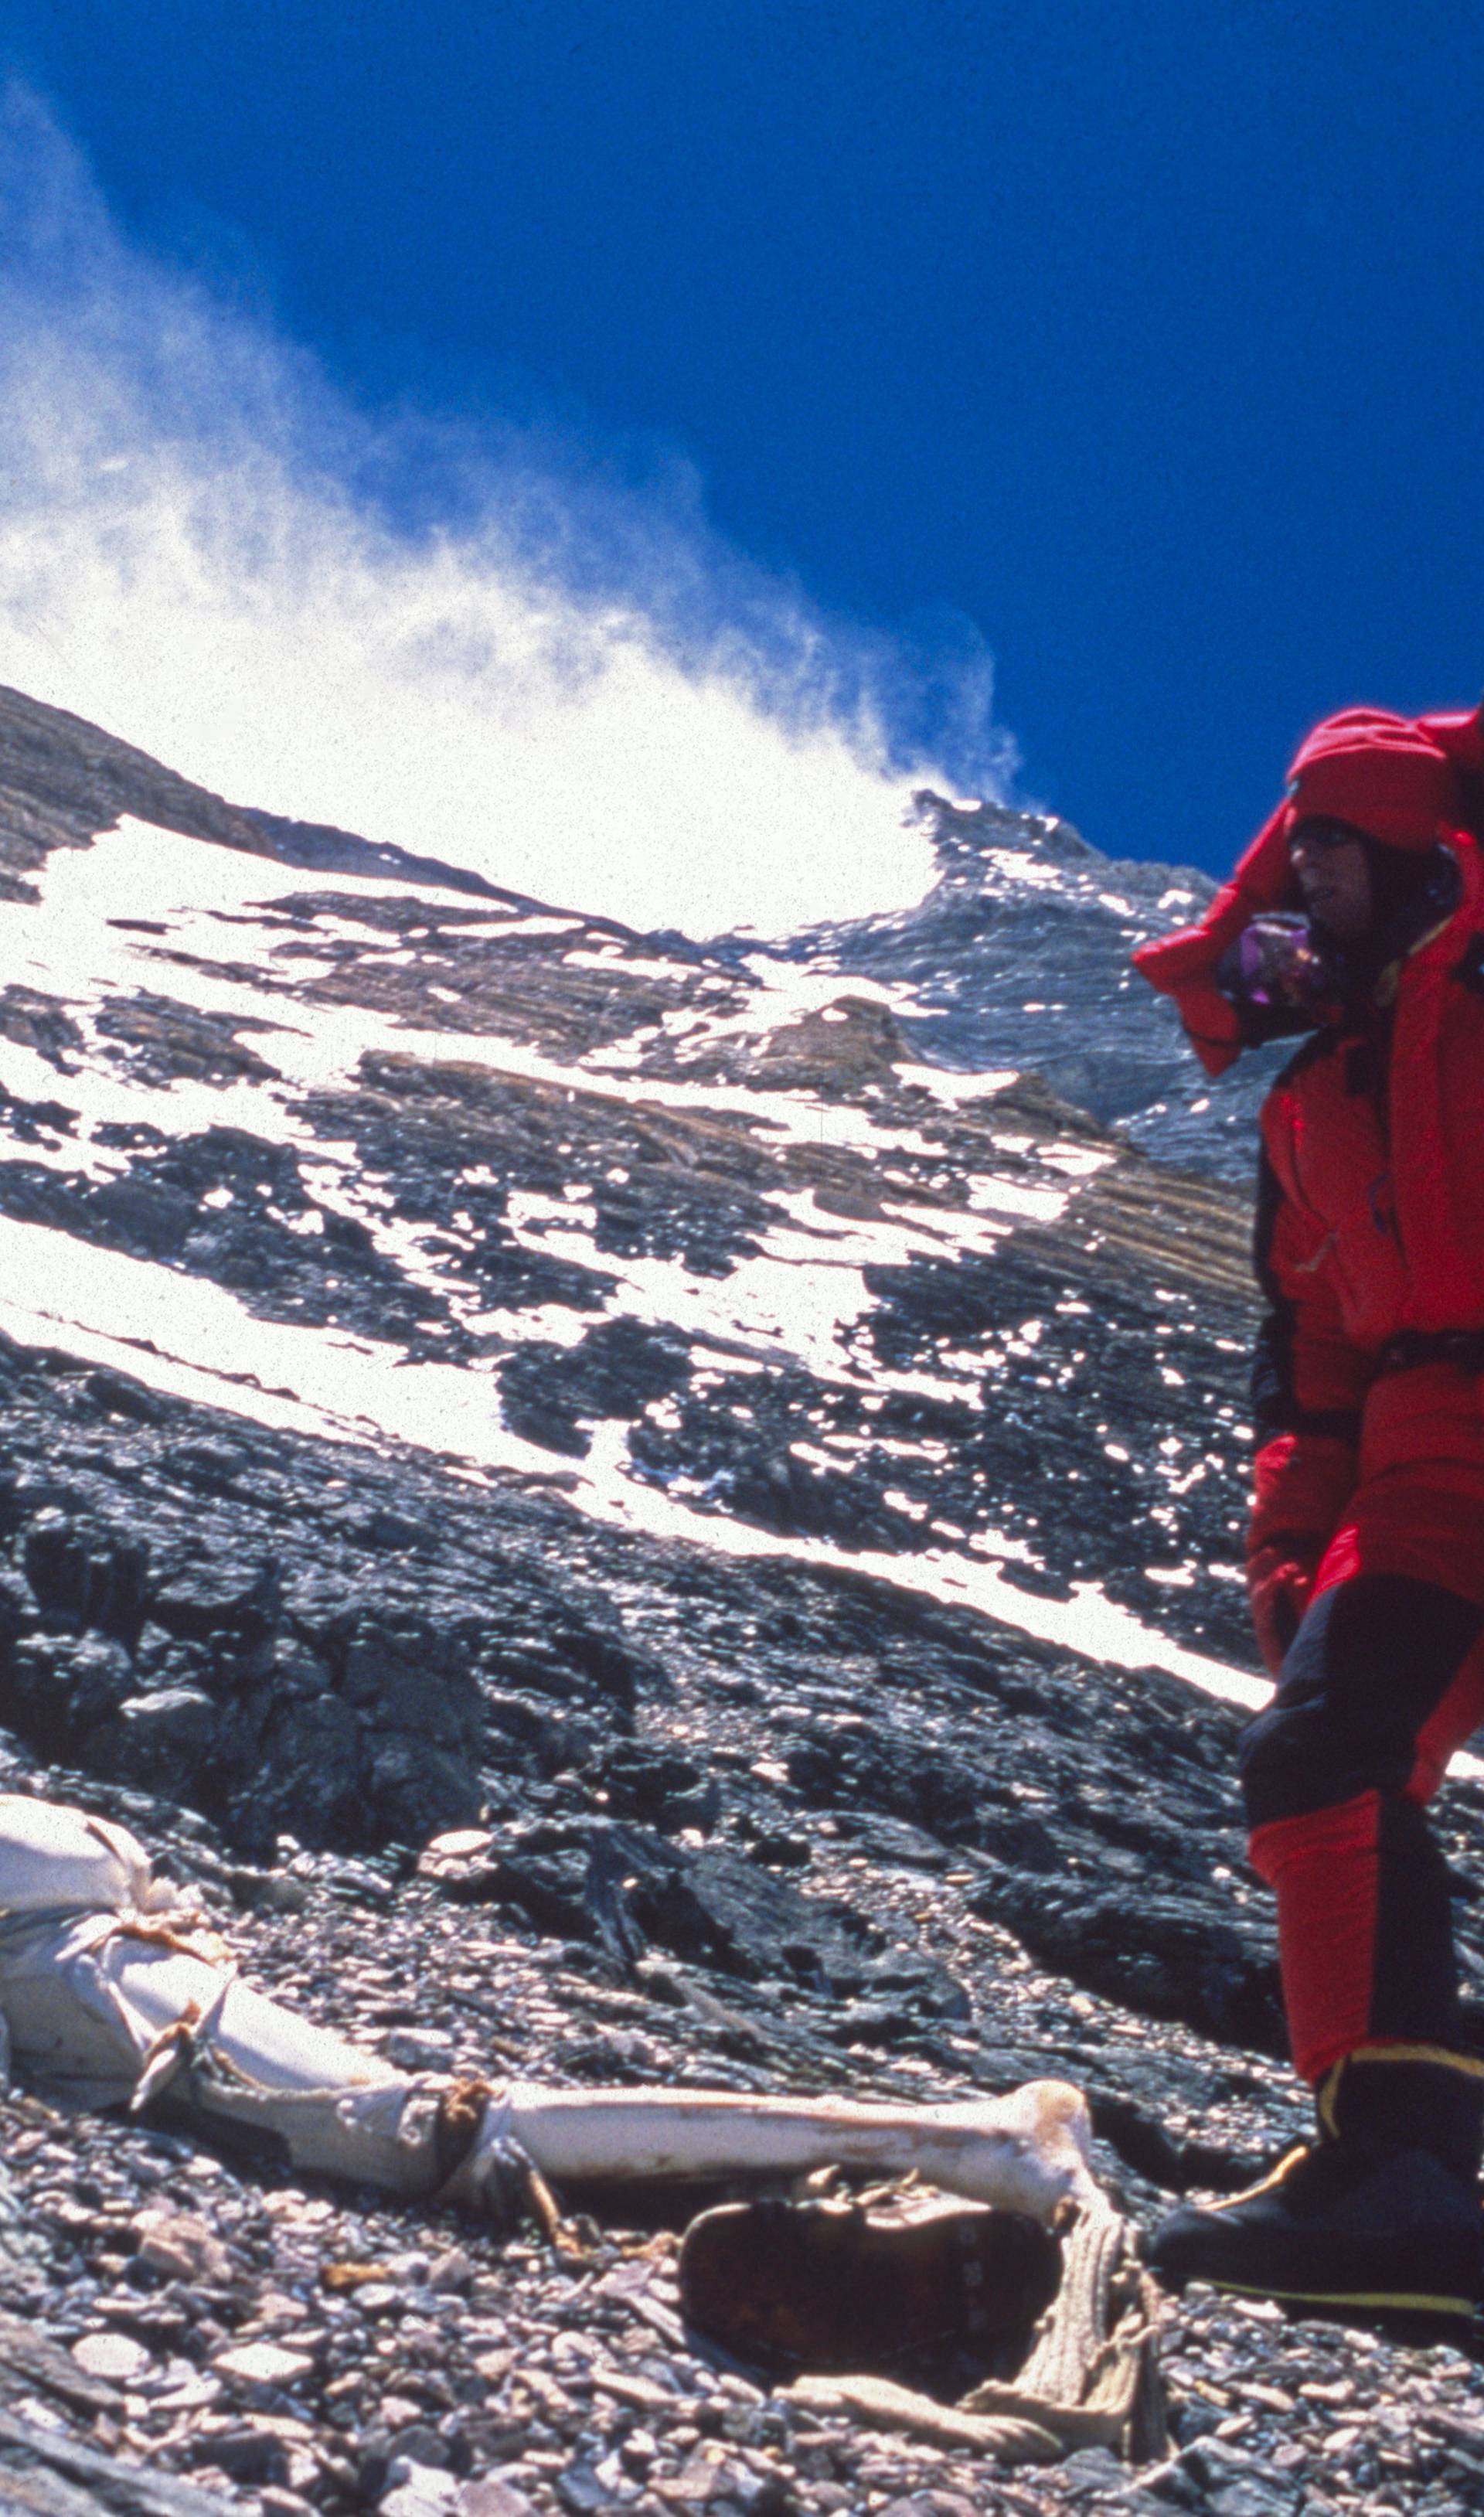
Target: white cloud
pixel 573 689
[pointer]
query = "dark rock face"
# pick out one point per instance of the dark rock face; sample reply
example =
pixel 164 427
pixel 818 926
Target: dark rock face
pixel 1026 931
pixel 62 779
pixel 609 1398
pixel 1187 1960
pixel 333 1691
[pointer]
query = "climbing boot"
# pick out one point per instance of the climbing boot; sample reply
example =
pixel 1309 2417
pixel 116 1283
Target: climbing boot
pixel 828 2287
pixel 1379 2215
pixel 1423 2097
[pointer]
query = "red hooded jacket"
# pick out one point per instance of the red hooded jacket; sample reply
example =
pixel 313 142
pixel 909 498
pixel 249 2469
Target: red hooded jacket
pixel 1371 1215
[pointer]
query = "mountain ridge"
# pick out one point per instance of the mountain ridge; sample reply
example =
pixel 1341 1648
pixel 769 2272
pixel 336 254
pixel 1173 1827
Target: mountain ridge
pixel 776 1492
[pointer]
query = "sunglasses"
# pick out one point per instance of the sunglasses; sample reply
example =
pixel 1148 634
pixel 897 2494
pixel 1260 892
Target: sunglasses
pixel 1319 836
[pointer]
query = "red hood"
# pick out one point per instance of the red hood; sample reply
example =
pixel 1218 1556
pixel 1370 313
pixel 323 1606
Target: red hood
pixel 1409 781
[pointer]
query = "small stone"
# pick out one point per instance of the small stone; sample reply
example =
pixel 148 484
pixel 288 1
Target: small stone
pixel 183 2248
pixel 756 2494
pixel 449 1855
pixel 422 2446
pixel 112 2356
pixel 1212 2460
pixel 419 2049
pixel 705 2477
pixel 1273 2399
pixel 250 2455
pixel 417 2490
pixel 276 2307
pixel 263 2363
pixel 1093 2464
pixel 180 2387
pixel 583 2490
pixel 1252 2497
pixel 491 2495
pixel 931 2503
pixel 696 2481
pixel 641 2392
pixel 740 2389
pixel 453 2272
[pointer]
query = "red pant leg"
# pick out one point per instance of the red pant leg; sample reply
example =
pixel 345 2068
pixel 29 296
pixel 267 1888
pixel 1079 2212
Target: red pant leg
pixel 1385 1682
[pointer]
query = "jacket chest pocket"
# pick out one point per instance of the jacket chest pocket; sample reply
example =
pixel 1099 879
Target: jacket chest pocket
pixel 1343 1165
pixel 1343 1176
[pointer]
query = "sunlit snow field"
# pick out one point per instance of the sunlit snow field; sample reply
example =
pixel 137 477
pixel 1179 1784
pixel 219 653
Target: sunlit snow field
pixel 180 1334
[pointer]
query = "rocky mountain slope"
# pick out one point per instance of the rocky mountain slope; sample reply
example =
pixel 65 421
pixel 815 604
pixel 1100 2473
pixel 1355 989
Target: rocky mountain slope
pixel 724 1428
pixel 1019 955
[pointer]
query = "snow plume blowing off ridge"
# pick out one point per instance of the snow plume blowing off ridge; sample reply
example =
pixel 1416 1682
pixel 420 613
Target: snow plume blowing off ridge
pixel 436 638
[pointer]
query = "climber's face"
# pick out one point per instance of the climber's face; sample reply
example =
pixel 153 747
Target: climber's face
pixel 1333 874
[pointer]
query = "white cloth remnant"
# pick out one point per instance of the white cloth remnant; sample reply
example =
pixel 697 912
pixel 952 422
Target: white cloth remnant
pixel 111 1991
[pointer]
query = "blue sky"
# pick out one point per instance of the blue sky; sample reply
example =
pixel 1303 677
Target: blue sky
pixel 1141 344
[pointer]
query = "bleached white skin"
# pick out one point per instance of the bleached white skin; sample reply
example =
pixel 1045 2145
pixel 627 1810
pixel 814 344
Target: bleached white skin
pixel 801 1296
pixel 108 1995
pixel 1026 2151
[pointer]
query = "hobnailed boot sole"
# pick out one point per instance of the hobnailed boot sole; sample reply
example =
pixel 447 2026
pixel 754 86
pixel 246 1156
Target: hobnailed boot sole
pixel 836 2290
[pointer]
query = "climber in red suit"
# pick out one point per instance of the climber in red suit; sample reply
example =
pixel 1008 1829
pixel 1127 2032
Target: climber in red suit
pixel 1357 919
